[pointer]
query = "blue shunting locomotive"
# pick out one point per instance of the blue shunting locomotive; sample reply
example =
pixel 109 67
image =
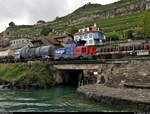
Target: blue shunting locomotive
pixel 67 52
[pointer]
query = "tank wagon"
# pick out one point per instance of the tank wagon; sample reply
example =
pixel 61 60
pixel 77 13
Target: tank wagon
pixel 44 52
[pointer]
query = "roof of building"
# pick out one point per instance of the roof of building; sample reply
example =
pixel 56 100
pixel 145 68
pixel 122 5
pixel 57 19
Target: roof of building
pixel 91 29
pixel 4 49
pixel 64 35
pixel 36 41
pixel 59 36
pixel 18 46
pixel 49 41
pixel 16 38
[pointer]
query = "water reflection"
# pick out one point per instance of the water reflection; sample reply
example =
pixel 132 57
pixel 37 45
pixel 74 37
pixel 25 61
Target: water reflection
pixel 58 99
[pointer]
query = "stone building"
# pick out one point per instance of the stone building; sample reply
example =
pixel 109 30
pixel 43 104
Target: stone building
pixel 19 42
pixel 92 35
pixel 61 39
pixel 4 42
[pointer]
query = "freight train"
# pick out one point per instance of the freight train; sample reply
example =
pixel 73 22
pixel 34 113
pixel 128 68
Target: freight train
pixel 74 51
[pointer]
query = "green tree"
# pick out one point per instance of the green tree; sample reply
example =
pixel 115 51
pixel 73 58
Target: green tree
pixel 45 31
pixel 112 37
pixel 129 34
pixel 57 18
pixel 73 29
pixel 12 24
pixel 1 34
pixel 144 24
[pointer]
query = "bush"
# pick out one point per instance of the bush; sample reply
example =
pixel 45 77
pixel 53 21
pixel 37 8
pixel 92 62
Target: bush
pixel 45 31
pixel 73 30
pixel 35 73
pixel 1 34
pixel 144 24
pixel 112 37
pixel 129 34
pixel 115 45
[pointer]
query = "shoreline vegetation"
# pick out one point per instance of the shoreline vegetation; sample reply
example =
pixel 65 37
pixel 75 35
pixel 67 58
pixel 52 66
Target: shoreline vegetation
pixel 26 75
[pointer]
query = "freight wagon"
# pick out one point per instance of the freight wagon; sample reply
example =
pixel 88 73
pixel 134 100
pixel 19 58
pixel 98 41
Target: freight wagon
pixel 124 51
pixel 44 52
pixel 6 55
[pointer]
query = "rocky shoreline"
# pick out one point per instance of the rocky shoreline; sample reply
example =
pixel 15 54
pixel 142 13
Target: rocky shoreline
pixel 124 98
pixel 17 85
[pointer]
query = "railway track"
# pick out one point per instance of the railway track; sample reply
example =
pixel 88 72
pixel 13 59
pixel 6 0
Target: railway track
pixel 101 61
pixel 98 61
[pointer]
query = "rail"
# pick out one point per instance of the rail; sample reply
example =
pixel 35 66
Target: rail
pixel 98 61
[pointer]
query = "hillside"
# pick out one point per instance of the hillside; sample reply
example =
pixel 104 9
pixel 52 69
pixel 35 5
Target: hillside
pixel 118 17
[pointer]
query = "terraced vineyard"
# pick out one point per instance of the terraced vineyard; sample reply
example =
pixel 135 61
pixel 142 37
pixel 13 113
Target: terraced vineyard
pixel 114 24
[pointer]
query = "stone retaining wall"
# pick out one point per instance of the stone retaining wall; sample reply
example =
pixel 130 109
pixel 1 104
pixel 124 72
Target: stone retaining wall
pixel 134 72
pixel 133 99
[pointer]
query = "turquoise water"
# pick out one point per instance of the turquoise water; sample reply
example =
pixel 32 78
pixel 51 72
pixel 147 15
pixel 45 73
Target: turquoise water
pixel 57 99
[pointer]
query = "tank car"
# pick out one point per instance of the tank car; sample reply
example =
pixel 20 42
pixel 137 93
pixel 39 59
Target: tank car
pixel 24 53
pixel 44 52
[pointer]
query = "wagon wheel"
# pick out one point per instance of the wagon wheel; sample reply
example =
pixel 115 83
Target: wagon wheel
pixel 62 59
pixel 94 57
pixel 81 58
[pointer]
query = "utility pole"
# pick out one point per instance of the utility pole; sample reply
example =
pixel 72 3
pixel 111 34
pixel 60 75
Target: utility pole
pixel 110 41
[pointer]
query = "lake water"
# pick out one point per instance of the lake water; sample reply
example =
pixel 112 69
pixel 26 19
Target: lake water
pixel 57 99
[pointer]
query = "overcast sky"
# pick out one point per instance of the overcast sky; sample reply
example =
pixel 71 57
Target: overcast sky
pixel 23 12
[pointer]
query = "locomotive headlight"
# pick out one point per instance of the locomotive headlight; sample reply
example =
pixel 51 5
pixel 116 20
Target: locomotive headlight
pixel 95 73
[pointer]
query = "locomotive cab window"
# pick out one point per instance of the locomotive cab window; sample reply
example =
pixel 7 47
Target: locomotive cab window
pixel 78 50
pixel 90 35
pixel 83 50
